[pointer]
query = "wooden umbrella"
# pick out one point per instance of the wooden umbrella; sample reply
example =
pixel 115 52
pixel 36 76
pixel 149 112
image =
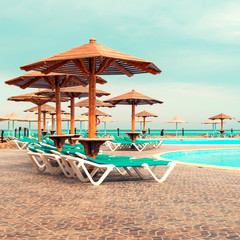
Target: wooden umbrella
pixel 53 81
pixel 13 117
pixel 81 119
pixel 93 59
pixel 176 120
pixel 133 98
pixel 105 120
pixel 221 116
pixel 39 101
pixel 213 122
pixel 73 92
pixel 29 118
pixel 141 120
pixel 145 114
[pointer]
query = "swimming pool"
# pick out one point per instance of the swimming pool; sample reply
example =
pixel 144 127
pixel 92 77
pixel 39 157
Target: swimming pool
pixel 201 140
pixel 216 157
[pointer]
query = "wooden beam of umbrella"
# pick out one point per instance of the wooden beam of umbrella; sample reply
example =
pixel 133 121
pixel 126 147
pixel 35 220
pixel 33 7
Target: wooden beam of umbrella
pixel 53 81
pixel 35 99
pixel 221 116
pixel 176 120
pixel 133 98
pixel 93 59
pixel 144 114
pixel 141 120
pixel 73 92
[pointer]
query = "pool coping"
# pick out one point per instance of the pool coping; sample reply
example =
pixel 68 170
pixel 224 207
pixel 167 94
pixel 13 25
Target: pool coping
pixel 158 156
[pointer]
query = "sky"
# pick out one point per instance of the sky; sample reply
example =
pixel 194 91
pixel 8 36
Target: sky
pixel 196 44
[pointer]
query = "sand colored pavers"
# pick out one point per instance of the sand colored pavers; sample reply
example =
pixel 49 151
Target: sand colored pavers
pixel 193 203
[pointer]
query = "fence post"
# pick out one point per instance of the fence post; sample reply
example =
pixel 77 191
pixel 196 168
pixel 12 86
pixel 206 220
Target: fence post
pixel 118 131
pixel 182 131
pixel 2 133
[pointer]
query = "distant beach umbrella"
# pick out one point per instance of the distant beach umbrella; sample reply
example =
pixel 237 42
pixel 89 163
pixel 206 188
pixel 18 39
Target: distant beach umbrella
pixel 221 117
pixel 141 120
pixel 176 120
pixel 4 119
pixel 105 120
pixel 13 117
pixel 144 114
pixel 213 122
pixel 133 98
pixel 29 118
pixel 81 119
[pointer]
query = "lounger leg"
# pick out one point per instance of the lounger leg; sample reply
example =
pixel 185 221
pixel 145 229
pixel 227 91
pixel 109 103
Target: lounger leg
pixel 40 167
pixel 171 167
pixel 101 179
pixel 20 145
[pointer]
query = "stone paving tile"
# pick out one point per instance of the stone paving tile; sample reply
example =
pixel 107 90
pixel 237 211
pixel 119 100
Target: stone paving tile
pixel 194 203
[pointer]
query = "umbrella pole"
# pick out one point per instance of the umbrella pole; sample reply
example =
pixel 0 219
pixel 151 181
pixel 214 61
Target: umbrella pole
pixel 39 122
pixel 92 106
pixel 13 128
pixel 105 128
pixel 140 126
pixel 80 127
pixel 144 123
pixel 133 118
pixel 8 127
pixel 44 121
pixel 58 109
pixel 176 128
pixel 52 122
pixel 221 126
pixel 72 114
pixel 68 128
pixel 29 128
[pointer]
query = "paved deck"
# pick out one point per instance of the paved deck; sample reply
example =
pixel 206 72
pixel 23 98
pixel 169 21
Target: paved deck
pixel 193 203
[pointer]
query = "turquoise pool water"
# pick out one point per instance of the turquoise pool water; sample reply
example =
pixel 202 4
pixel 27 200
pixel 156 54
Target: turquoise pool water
pixel 217 157
pixel 201 141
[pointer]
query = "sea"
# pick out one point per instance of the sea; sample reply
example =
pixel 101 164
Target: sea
pixel 122 132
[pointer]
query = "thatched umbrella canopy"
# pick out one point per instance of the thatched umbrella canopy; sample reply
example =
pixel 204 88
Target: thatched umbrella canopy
pixel 93 59
pixel 39 101
pixel 98 113
pixel 145 114
pixel 176 120
pixel 133 98
pixel 52 81
pixel 221 117
pixel 99 103
pixel 73 92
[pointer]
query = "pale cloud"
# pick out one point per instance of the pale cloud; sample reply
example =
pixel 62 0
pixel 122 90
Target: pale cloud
pixel 220 24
